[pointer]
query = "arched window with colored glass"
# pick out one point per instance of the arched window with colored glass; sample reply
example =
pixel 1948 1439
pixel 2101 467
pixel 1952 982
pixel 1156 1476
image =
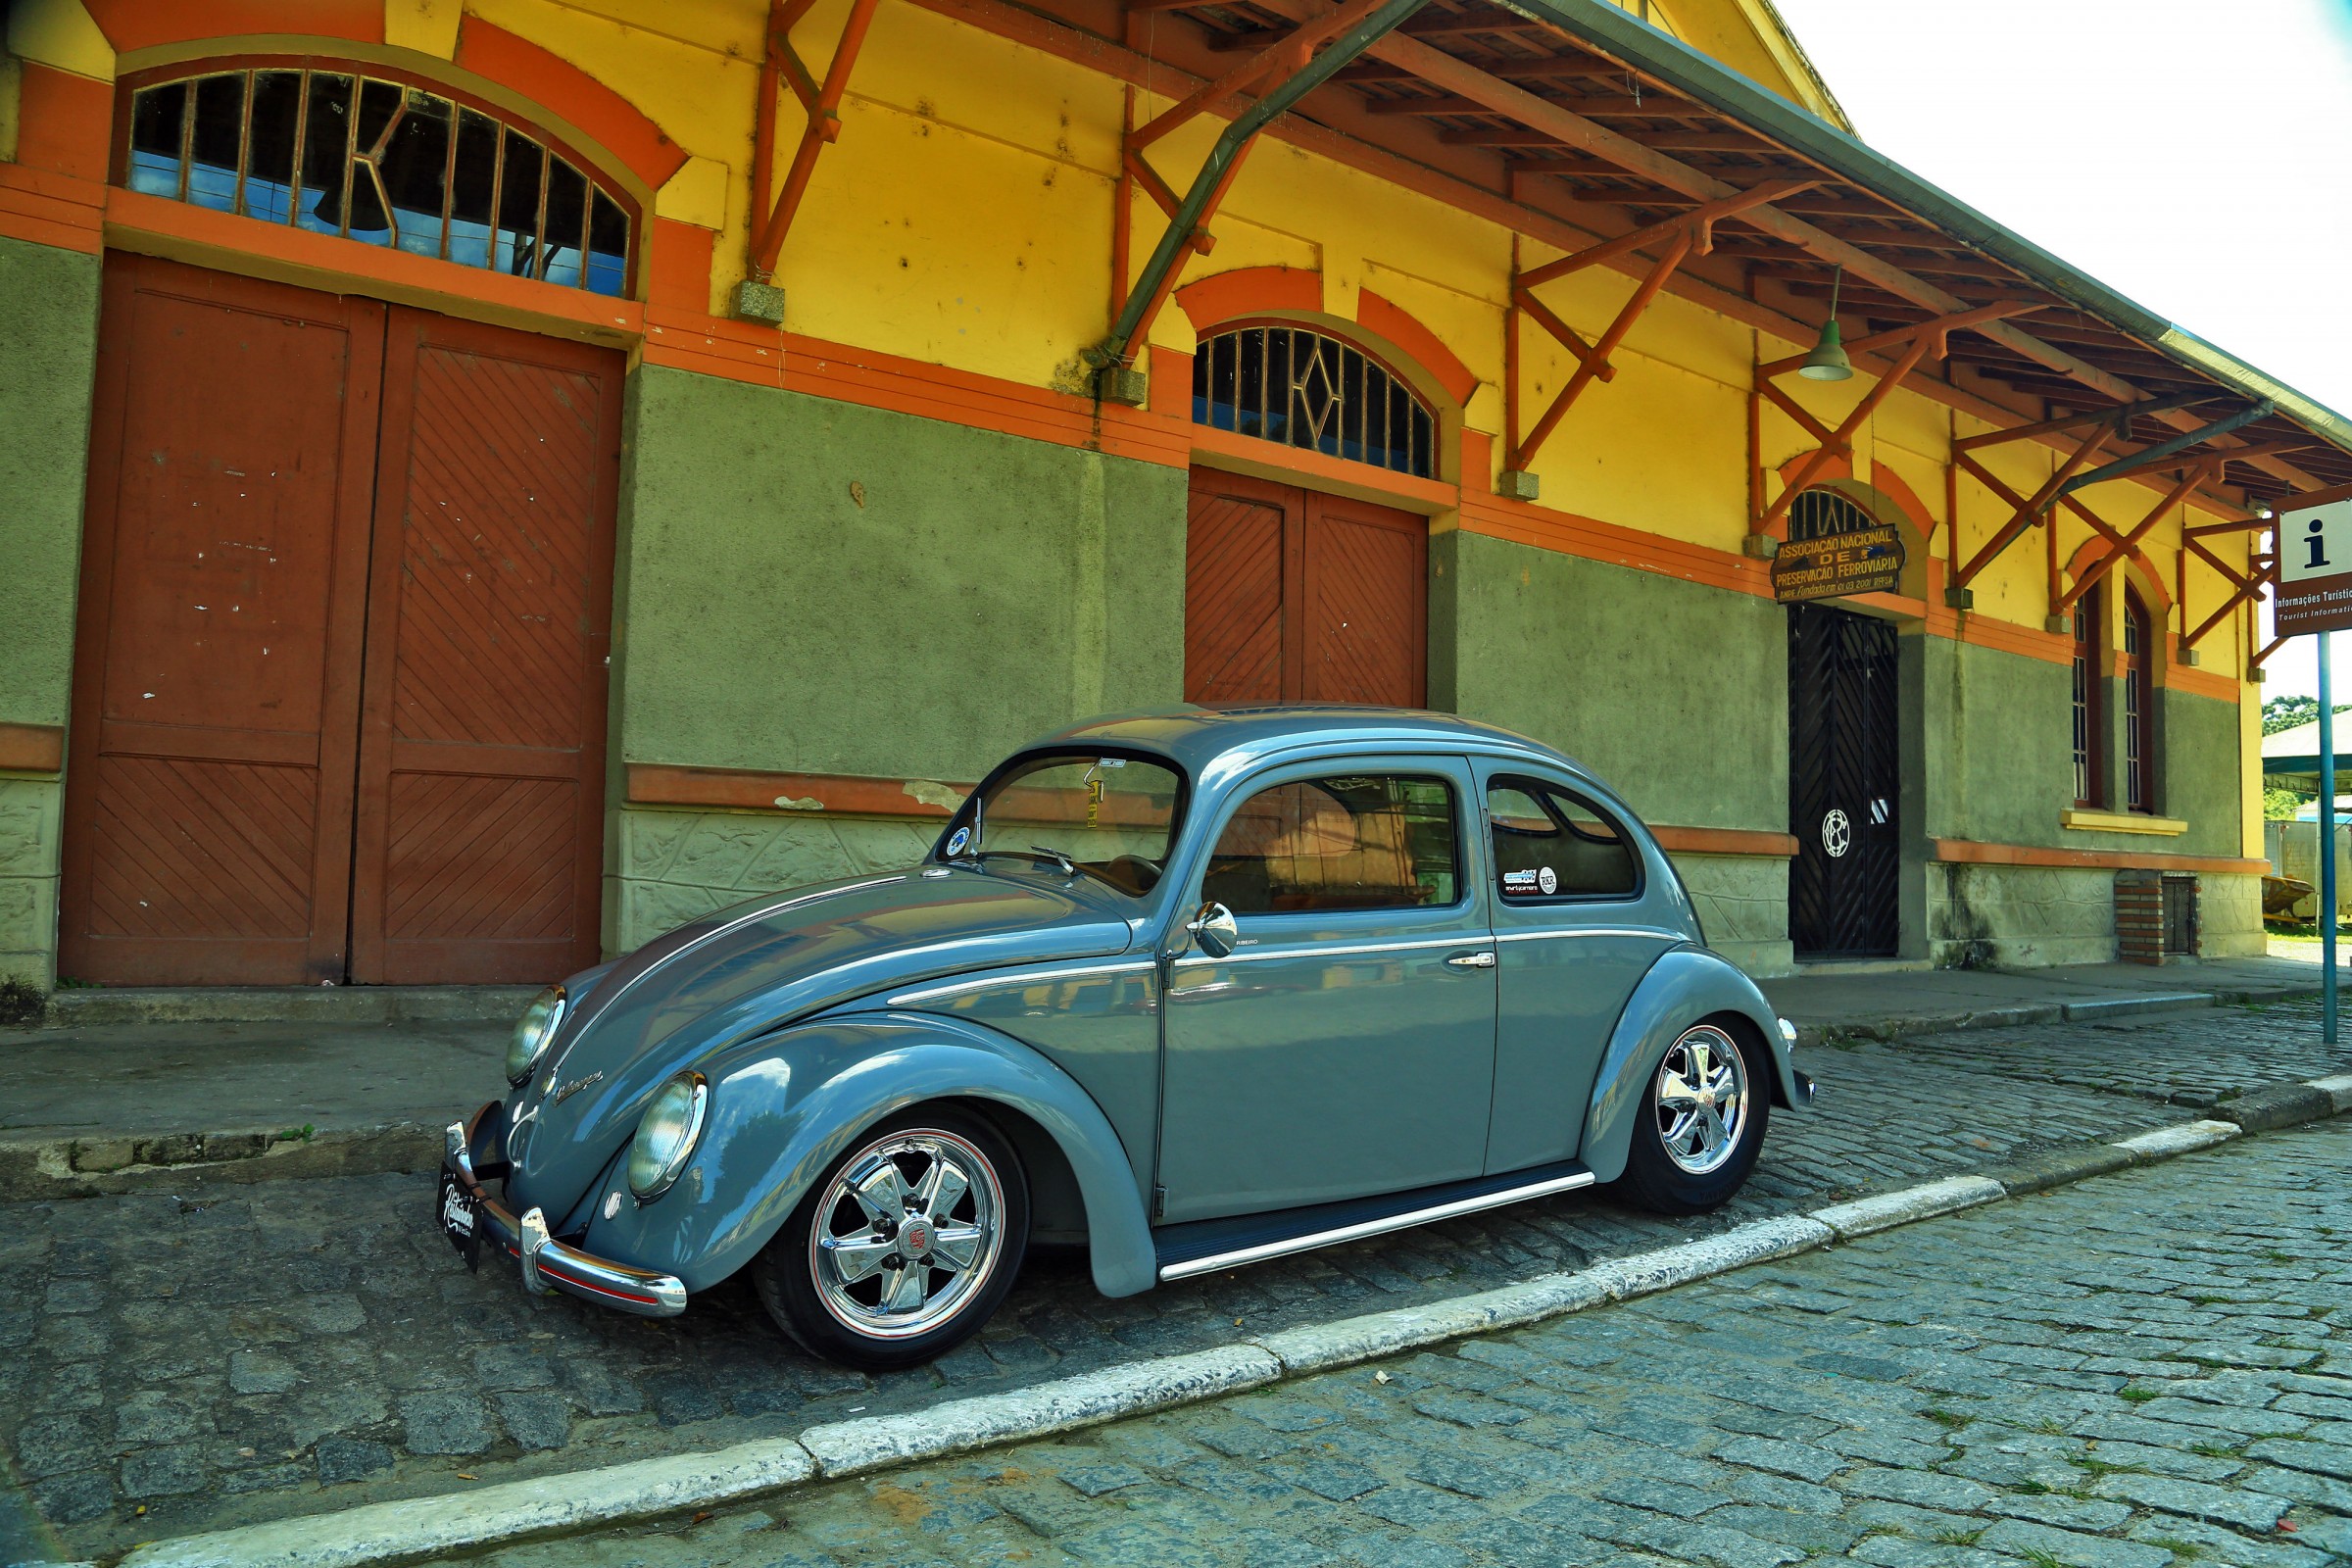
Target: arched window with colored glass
pixel 2089 687
pixel 362 154
pixel 1306 389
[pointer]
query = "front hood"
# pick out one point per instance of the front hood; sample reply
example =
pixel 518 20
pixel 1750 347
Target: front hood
pixel 757 966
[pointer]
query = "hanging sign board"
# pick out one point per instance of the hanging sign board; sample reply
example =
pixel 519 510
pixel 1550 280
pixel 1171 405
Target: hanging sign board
pixel 1861 561
pixel 2315 563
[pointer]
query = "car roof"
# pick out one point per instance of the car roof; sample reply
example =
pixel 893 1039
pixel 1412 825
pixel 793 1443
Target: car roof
pixel 1198 737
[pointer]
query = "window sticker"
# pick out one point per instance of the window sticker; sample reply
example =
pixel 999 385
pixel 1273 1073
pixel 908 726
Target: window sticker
pixel 1518 881
pixel 1547 879
pixel 957 841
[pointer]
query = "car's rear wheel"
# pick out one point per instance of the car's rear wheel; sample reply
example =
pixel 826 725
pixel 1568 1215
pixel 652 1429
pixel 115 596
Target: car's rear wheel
pixel 1702 1121
pixel 905 1247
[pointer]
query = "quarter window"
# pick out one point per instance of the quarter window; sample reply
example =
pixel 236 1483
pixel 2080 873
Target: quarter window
pixel 384 162
pixel 2139 705
pixel 1353 842
pixel 1551 844
pixel 2087 688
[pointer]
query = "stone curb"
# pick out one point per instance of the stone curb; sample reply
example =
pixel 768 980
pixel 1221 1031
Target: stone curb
pixel 335 1004
pixel 43 1170
pixel 468 1521
pixel 421 1528
pixel 851 1447
pixel 1865 1216
pixel 1814 1034
pixel 2181 1138
pixel 2057 1167
pixel 2279 1106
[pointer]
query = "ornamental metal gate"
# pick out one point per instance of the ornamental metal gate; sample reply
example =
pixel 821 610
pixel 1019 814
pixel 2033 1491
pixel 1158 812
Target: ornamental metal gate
pixel 1843 784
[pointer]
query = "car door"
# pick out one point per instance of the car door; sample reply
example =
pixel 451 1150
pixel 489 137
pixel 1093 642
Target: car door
pixel 1573 936
pixel 1346 1044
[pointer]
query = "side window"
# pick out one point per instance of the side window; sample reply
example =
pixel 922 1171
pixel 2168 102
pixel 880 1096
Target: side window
pixel 1551 844
pixel 1379 840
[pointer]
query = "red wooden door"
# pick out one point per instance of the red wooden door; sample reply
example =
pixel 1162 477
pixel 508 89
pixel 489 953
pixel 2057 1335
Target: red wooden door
pixel 1290 595
pixel 481 755
pixel 209 788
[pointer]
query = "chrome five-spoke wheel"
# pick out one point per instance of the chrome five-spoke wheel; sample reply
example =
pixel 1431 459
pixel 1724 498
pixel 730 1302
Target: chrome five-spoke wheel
pixel 911 1226
pixel 1703 1112
pixel 906 1244
pixel 1701 1099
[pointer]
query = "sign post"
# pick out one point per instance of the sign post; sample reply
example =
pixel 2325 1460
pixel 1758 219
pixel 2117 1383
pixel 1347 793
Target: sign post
pixel 2315 594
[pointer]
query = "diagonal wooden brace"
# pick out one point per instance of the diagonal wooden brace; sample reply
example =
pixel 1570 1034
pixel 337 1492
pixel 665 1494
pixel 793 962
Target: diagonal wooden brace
pixel 2029 511
pixel 824 126
pixel 1841 439
pixel 1699 223
pixel 2121 546
pixel 1596 360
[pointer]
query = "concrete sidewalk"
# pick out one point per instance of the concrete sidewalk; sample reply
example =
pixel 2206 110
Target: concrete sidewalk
pixel 144 1090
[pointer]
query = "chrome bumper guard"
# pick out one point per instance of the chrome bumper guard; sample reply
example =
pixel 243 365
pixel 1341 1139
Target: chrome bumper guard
pixel 548 1264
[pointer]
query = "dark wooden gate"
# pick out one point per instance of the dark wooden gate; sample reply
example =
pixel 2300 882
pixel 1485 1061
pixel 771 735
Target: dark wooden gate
pixel 1843 784
pixel 1295 596
pixel 279 506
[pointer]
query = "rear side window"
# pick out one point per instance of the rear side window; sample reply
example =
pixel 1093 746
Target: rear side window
pixel 1551 844
pixel 1379 840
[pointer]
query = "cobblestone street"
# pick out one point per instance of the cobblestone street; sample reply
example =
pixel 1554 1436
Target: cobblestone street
pixel 2143 1369
pixel 300 1347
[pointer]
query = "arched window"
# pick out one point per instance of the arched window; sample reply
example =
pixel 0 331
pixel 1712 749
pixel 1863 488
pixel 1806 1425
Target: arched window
pixel 1304 390
pixel 2139 705
pixel 1817 513
pixel 366 156
pixel 2089 788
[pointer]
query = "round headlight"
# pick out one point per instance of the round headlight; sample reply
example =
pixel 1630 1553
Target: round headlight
pixel 666 1131
pixel 534 1031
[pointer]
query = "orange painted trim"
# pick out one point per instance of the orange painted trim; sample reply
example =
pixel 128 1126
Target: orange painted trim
pixel 1725 841
pixel 1248 291
pixel 134 25
pixel 1544 529
pixel 65 123
pixel 1970 852
pixel 742 789
pixel 608 119
pixel 1288 464
pixel 2148 580
pixel 1375 314
pixel 55 210
pixel 158 225
pixel 32 747
pixel 1896 489
pixel 2031 642
pixel 2180 678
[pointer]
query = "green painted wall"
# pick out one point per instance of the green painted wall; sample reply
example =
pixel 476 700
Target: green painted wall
pixel 1674 693
pixel 48 355
pixel 2200 746
pixel 809 585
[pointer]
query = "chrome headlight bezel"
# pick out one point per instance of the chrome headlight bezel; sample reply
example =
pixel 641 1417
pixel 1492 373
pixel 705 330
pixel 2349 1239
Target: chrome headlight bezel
pixel 535 1032
pixel 650 1170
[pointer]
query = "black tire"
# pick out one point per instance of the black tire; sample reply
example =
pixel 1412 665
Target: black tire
pixel 821 1314
pixel 1653 1177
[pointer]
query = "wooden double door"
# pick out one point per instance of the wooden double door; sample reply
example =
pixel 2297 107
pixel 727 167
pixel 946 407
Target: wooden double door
pixel 340 668
pixel 1290 595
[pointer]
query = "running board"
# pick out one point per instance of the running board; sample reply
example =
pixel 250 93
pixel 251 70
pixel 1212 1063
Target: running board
pixel 1203 1246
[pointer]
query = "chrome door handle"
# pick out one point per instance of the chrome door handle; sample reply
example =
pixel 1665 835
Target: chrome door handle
pixel 1472 960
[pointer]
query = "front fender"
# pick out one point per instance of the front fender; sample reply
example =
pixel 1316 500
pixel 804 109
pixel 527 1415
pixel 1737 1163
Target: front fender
pixel 1687 983
pixel 786 1105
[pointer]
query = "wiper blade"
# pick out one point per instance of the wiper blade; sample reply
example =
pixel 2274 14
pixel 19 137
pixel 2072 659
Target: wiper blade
pixel 1069 867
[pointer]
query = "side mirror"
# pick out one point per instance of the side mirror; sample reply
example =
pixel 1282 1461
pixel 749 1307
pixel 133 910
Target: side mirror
pixel 1214 930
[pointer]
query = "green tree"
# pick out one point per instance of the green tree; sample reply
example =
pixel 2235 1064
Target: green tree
pixel 2280 806
pixel 2285 713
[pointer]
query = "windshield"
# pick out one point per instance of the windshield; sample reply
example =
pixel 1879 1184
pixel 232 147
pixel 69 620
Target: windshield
pixel 1112 819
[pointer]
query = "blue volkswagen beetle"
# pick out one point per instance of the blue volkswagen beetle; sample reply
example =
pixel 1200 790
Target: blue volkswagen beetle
pixel 1195 988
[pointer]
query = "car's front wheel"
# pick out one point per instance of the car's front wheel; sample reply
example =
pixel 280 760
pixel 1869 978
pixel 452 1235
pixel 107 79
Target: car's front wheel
pixel 1702 1121
pixel 905 1247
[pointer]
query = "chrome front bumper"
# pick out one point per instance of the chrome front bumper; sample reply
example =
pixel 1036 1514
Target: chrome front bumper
pixel 547 1263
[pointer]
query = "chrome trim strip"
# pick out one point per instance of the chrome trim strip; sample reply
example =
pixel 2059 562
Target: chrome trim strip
pixel 1592 931
pixel 1018 977
pixel 1309 951
pixel 1374 1227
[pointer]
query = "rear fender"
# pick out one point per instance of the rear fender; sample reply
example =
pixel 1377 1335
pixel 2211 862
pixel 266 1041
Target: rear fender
pixel 1687 984
pixel 786 1105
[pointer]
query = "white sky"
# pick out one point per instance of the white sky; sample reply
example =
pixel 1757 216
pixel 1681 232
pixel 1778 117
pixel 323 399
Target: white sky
pixel 2193 155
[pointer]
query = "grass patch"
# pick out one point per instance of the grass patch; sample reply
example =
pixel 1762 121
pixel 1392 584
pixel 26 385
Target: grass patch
pixel 2137 1395
pixel 1959 1537
pixel 2215 1450
pixel 2041 1560
pixel 1950 1420
pixel 2031 1488
pixel 2185 1550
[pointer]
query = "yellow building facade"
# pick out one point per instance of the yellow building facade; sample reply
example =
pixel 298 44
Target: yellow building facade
pixel 1472 383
